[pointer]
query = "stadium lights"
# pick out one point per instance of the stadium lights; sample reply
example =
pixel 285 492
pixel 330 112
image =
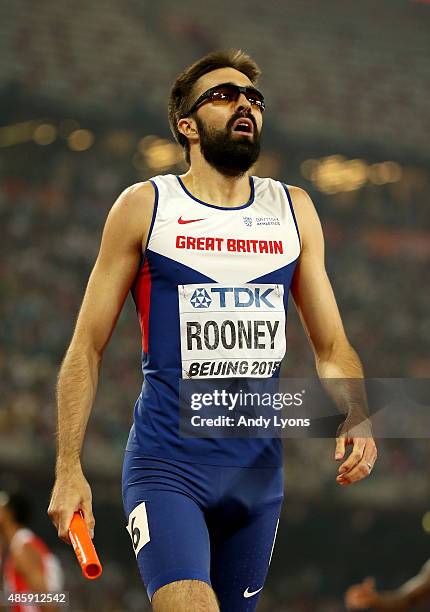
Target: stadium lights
pixel 385 172
pixel 80 140
pixel 157 154
pixel 335 173
pixel 45 134
pixel 162 154
pixel 17 133
pixel 426 522
pixel 144 142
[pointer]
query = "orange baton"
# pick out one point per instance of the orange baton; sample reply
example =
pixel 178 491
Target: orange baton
pixel 84 547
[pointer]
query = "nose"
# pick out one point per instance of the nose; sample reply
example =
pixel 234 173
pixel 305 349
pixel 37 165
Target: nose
pixel 243 103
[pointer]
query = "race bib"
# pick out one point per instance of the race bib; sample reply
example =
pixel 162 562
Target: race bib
pixel 231 331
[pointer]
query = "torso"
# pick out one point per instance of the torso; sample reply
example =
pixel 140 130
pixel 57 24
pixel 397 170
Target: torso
pixel 211 296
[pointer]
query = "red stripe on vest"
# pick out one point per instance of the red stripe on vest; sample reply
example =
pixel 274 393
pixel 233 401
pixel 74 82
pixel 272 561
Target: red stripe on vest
pixel 143 295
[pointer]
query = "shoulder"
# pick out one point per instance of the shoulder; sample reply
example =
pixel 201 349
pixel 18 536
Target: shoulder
pixel 136 198
pixel 129 219
pixel 131 214
pixel 300 198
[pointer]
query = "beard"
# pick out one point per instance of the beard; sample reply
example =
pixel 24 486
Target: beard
pixel 231 155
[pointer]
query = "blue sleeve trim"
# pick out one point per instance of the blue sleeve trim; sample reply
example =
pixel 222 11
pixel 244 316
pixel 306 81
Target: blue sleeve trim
pixel 292 211
pixel 154 214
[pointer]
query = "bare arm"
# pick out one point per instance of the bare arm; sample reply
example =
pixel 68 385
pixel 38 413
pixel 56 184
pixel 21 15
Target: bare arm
pixel 334 356
pixel 124 236
pixel 413 592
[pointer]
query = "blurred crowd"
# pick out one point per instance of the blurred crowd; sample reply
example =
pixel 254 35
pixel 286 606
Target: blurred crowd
pixel 338 77
pixel 53 204
pixel 121 59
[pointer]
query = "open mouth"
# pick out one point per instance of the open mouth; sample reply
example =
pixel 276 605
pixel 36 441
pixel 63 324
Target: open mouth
pixel 243 126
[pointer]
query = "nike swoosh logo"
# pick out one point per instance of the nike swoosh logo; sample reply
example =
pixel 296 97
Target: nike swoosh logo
pixel 182 221
pixel 251 593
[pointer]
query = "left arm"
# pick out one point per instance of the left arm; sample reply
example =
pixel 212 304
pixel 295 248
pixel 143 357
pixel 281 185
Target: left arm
pixel 413 592
pixel 334 356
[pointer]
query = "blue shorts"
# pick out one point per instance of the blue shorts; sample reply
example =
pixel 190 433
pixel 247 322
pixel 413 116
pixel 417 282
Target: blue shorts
pixel 189 521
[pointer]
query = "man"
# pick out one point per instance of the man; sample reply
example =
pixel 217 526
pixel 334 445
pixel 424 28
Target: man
pixel 412 593
pixel 203 513
pixel 28 565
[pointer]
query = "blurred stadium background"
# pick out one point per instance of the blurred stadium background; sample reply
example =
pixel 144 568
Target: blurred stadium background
pixel 83 90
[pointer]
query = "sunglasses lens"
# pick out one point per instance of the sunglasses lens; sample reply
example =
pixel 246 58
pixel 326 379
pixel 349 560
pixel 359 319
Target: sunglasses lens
pixel 255 99
pixel 224 93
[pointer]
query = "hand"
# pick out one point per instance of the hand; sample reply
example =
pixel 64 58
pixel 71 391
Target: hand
pixel 71 493
pixel 362 596
pixel 363 456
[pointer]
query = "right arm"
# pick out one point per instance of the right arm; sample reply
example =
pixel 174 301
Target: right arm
pixel 413 592
pixel 124 239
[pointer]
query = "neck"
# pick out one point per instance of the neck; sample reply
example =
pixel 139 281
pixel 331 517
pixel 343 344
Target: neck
pixel 207 184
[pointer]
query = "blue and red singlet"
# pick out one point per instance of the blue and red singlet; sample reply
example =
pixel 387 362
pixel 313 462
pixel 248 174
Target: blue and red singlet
pixel 211 296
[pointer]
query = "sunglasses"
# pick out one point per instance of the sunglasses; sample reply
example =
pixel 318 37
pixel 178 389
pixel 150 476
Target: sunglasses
pixel 228 92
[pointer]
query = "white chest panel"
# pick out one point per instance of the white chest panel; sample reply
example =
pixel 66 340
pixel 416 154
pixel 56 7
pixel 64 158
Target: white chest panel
pixel 227 245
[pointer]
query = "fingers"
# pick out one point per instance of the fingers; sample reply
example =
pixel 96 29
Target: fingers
pixel 64 519
pixel 361 596
pixel 61 518
pixel 339 452
pixel 355 457
pixel 360 463
pixel 356 599
pixel 353 598
pixel 89 517
pixel 69 497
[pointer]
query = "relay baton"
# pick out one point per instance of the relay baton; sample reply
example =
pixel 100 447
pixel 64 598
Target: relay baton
pixel 84 547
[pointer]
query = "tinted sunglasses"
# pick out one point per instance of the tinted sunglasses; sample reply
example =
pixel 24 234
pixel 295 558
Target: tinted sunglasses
pixel 228 92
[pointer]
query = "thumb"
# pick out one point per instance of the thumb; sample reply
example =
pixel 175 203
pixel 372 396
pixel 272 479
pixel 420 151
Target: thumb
pixel 340 448
pixel 64 521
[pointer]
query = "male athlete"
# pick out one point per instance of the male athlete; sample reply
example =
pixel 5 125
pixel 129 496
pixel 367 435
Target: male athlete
pixel 415 591
pixel 28 566
pixel 210 257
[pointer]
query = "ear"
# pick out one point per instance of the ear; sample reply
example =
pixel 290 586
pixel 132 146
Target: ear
pixel 188 127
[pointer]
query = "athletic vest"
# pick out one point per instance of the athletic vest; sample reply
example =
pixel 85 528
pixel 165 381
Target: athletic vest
pixel 211 296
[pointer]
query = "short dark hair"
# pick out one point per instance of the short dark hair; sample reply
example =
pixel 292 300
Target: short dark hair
pixel 180 95
pixel 20 507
